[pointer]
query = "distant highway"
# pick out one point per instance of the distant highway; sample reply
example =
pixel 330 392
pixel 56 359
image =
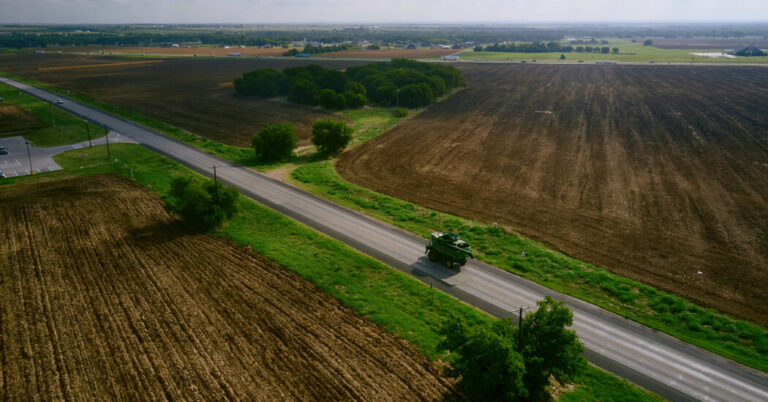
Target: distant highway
pixel 662 364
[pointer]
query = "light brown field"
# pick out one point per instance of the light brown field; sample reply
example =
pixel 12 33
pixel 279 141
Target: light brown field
pixel 392 53
pixel 104 296
pixel 657 173
pixel 101 65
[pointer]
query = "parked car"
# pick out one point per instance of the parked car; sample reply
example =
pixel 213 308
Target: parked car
pixel 3 150
pixel 59 101
pixel 2 175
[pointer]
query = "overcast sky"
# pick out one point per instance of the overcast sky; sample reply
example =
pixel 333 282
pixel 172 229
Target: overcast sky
pixel 381 11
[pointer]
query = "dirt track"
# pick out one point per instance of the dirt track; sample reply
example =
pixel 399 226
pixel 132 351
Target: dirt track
pixel 103 296
pixel 656 173
pixel 186 92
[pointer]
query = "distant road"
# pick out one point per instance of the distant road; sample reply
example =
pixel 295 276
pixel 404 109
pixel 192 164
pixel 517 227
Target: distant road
pixel 662 364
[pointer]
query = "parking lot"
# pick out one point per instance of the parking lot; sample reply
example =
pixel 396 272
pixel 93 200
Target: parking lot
pixel 17 161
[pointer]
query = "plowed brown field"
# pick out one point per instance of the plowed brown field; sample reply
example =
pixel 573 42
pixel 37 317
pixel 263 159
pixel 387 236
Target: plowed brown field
pixel 14 119
pixel 657 173
pixel 185 92
pixel 103 296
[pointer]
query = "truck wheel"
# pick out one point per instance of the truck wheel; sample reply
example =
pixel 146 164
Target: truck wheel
pixel 449 262
pixel 433 255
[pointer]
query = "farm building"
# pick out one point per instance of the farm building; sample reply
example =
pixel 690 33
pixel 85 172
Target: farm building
pixel 746 51
pixel 450 58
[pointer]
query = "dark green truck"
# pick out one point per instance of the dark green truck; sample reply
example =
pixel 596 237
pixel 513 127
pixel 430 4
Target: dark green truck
pixel 448 247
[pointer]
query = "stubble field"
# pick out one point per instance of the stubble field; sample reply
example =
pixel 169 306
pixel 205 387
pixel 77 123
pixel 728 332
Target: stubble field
pixel 657 173
pixel 104 296
pixel 193 94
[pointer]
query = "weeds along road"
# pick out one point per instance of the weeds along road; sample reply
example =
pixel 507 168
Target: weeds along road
pixel 662 364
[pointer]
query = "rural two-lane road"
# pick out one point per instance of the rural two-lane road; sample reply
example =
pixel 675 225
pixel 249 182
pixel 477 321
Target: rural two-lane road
pixel 662 364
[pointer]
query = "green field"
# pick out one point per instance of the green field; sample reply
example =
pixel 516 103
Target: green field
pixel 643 54
pixel 69 129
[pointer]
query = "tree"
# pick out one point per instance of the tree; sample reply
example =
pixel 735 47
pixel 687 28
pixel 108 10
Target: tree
pixel 562 57
pixel 265 82
pixel 275 141
pixel 648 42
pixel 615 50
pixel 330 136
pixel 203 206
pixel 328 98
pixel 548 347
pixel 605 50
pixel 302 91
pixel 488 363
pixel 501 362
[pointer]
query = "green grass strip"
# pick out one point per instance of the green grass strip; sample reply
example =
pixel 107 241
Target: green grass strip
pixel 740 340
pixel 69 128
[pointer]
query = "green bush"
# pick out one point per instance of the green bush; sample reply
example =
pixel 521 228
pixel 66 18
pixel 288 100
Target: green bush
pixel 275 142
pixel 330 136
pixel 400 112
pixel 203 206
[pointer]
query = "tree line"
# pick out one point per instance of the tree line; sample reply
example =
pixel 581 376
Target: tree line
pixel 400 82
pixel 540 47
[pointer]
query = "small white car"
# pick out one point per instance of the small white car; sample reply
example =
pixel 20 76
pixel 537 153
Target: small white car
pixel 59 101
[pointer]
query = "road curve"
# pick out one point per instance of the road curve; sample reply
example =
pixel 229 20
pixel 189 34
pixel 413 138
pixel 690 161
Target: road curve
pixel 660 363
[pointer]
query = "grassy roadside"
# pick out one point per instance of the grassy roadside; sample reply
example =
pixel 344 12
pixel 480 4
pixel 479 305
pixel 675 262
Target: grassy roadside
pixel 739 340
pixel 397 302
pixel 38 130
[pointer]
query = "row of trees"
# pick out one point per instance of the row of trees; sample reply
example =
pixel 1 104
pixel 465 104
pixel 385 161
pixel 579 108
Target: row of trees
pixel 276 142
pixel 544 47
pixel 500 362
pixel 531 47
pixel 400 82
pixel 596 49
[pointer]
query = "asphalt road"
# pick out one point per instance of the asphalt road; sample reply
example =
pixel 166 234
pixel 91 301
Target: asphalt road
pixel 660 363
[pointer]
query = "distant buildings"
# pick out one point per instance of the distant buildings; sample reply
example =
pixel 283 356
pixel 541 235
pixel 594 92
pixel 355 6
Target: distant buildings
pixel 745 51
pixel 605 62
pixel 450 58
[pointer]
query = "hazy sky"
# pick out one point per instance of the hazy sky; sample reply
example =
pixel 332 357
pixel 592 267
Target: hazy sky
pixel 372 11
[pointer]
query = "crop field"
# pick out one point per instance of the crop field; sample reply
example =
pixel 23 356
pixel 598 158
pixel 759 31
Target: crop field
pixel 657 173
pixel 189 51
pixel 104 296
pixel 393 53
pixel 14 119
pixel 193 94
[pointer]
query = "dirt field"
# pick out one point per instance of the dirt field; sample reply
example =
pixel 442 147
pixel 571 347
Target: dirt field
pixel 14 119
pixel 657 173
pixel 103 296
pixel 392 53
pixel 201 51
pixel 186 92
pixel 704 43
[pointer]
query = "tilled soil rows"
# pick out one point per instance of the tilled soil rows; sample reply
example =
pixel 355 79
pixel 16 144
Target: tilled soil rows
pixel 105 296
pixel 659 173
pixel 193 94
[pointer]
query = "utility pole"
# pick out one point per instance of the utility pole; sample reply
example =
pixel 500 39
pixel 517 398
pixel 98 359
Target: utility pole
pixel 520 327
pixel 215 185
pixel 88 130
pixel 53 119
pixel 29 155
pixel 106 131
